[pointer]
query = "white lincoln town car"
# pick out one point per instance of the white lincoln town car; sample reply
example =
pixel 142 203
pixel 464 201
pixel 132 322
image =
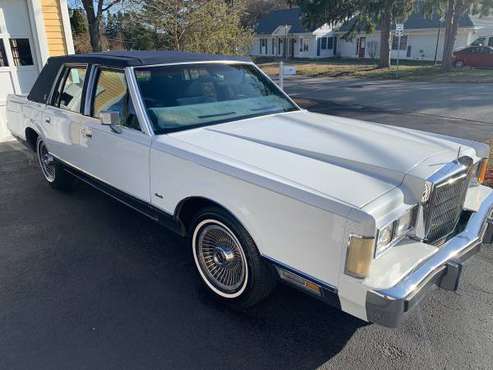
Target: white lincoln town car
pixel 366 217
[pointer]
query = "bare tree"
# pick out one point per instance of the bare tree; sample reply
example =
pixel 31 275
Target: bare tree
pixel 94 11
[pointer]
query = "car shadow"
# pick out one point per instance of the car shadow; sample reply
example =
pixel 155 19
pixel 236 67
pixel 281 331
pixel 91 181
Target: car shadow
pixel 93 284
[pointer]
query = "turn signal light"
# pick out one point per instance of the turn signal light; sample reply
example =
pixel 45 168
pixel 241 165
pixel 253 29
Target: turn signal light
pixel 483 169
pixel 360 252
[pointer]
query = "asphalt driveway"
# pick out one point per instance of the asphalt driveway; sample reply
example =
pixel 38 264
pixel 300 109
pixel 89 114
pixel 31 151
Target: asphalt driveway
pixel 86 283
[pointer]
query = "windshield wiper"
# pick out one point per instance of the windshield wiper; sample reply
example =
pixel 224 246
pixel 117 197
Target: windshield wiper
pixel 216 115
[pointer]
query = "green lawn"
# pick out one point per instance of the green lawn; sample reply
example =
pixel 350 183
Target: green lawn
pixel 354 68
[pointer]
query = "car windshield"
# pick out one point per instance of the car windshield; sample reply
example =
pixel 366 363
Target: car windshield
pixel 181 97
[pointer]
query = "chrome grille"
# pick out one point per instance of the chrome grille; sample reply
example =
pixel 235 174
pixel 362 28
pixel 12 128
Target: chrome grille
pixel 445 206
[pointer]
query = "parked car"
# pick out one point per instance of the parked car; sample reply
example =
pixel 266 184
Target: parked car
pixel 474 56
pixel 483 41
pixel 366 217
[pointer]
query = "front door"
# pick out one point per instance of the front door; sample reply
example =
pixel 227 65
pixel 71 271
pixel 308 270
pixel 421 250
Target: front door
pixel 361 47
pixel 118 155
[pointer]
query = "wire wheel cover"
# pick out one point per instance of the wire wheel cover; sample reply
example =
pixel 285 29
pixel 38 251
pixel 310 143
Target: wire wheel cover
pixel 47 162
pixel 221 258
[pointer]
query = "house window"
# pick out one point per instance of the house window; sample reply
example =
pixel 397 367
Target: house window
pixel 490 42
pixel 323 45
pixel 21 52
pixel 3 55
pixel 305 46
pixel 280 46
pixel 263 46
pixel 395 43
pixel 273 45
pixel 301 45
pixel 330 43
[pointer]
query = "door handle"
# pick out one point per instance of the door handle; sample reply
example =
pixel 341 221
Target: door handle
pixel 86 132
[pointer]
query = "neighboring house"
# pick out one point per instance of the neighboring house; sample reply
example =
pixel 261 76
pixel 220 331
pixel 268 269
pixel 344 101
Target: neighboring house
pixel 282 33
pixel 30 32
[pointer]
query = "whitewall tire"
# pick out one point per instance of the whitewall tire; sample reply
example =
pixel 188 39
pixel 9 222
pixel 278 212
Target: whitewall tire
pixel 227 259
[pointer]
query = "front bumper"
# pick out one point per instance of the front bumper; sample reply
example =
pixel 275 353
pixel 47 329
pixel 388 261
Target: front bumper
pixel 443 269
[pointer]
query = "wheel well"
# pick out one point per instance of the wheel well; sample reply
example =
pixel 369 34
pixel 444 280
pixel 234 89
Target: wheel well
pixel 189 207
pixel 31 138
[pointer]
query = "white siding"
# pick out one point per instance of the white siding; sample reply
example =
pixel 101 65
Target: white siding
pixel 422 43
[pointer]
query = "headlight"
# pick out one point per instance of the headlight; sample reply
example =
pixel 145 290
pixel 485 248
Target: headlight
pixel 405 222
pixel 396 229
pixel 385 237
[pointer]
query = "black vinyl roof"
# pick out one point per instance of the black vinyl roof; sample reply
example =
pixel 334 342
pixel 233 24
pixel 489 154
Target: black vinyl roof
pixel 119 59
pixel 141 58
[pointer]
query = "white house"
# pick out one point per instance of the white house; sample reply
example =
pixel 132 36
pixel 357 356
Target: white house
pixel 30 32
pixel 282 33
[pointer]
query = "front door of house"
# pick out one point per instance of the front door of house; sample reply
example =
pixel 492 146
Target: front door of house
pixel 361 47
pixel 18 63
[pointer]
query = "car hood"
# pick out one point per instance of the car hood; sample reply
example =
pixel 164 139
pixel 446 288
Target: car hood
pixel 348 160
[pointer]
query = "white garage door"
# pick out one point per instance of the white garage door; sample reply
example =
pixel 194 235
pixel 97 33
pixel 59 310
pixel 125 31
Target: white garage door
pixel 18 64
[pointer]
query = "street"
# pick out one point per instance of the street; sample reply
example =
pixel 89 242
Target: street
pixel 88 283
pixel 470 102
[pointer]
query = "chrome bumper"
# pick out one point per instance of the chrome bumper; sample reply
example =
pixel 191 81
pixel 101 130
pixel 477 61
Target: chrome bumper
pixel 387 307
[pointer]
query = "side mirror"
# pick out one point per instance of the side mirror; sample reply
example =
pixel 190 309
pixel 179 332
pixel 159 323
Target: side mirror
pixel 111 119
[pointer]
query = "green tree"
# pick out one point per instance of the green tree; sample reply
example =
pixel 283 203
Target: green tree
pixel 78 21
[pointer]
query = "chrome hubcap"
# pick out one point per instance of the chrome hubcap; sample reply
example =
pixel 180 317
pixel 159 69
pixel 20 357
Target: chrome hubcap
pixel 46 162
pixel 220 258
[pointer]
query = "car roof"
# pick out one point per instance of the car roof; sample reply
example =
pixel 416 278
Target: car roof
pixel 141 58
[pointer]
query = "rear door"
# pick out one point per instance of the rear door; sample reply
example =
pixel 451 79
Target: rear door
pixel 119 155
pixel 61 119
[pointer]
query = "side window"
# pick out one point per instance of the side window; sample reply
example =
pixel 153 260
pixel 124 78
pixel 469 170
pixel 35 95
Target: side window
pixel 69 93
pixel 111 95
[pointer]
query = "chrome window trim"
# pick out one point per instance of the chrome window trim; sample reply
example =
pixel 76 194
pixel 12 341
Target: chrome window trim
pixel 57 81
pixel 90 89
pixel 138 103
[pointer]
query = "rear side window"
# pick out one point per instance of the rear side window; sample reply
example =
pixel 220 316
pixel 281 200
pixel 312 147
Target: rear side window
pixel 69 93
pixel 111 95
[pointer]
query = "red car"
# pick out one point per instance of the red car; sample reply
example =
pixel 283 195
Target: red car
pixel 474 56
